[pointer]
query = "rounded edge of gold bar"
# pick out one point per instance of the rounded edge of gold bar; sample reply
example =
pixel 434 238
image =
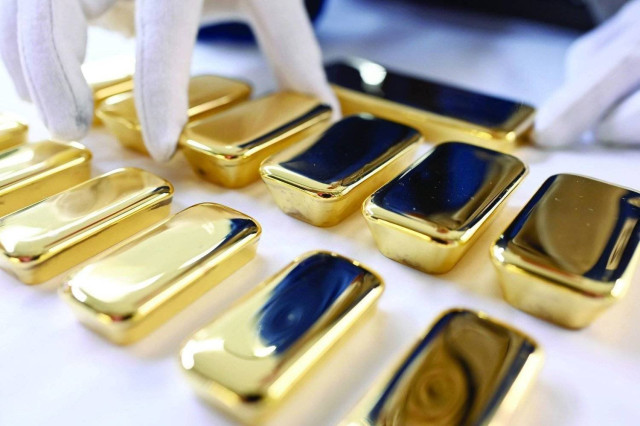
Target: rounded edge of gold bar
pixel 326 206
pixel 77 248
pixel 430 252
pixel 254 409
pixel 436 128
pixel 236 166
pixel 21 193
pixel 501 411
pixel 129 328
pixel 126 127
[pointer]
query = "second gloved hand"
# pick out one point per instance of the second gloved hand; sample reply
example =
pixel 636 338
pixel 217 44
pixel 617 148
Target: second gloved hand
pixel 43 45
pixel 602 88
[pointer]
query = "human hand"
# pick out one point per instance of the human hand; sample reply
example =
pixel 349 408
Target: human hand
pixel 602 88
pixel 43 43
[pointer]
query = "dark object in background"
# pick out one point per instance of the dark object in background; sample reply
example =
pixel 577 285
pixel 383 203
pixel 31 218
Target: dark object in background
pixel 568 13
pixel 241 32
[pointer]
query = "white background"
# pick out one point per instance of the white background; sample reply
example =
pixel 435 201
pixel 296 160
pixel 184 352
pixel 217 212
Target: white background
pixel 54 371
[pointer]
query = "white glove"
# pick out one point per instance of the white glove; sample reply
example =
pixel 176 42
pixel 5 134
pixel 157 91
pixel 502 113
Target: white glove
pixel 602 88
pixel 43 44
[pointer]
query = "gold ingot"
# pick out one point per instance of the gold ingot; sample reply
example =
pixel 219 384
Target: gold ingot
pixel 429 216
pixel 134 289
pixel 12 131
pixel 249 358
pixel 34 171
pixel 228 148
pixel 440 112
pixel 52 236
pixel 208 94
pixel 466 370
pixel 108 77
pixel 571 252
pixel 325 178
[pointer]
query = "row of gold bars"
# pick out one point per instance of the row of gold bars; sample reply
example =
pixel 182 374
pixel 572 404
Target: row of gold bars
pixel 567 256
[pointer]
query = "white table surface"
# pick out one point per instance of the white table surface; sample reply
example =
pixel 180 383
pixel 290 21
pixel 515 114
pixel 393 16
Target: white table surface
pixel 54 371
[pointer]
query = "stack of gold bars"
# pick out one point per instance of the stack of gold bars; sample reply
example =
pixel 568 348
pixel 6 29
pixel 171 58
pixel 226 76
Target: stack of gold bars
pixel 567 256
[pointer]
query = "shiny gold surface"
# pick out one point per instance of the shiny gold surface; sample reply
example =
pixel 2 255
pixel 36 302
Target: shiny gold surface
pixel 450 113
pixel 139 286
pixel 227 148
pixel 208 94
pixel 12 131
pixel 246 360
pixel 572 250
pixel 325 178
pixel 33 171
pixel 466 370
pixel 59 232
pixel 429 216
pixel 109 77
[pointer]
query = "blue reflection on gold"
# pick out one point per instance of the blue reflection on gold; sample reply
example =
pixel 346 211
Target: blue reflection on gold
pixel 426 95
pixel 347 146
pixel 451 185
pixel 457 374
pixel 303 296
pixel 580 225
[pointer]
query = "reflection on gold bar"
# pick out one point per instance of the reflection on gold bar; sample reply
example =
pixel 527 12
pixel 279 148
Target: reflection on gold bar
pixel 12 131
pixel 571 252
pixel 466 370
pixel 429 216
pixel 325 178
pixel 49 237
pixel 109 77
pixel 33 171
pixel 136 288
pixel 208 94
pixel 442 113
pixel 246 360
pixel 228 148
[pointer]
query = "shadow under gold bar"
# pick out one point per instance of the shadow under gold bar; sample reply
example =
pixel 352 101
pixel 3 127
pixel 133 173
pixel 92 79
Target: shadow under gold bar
pixel 250 357
pixel 208 94
pixel 572 250
pixel 227 148
pixel 52 236
pixel 466 370
pixel 429 216
pixel 13 131
pixel 325 178
pixel 440 112
pixel 134 289
pixel 108 77
pixel 33 171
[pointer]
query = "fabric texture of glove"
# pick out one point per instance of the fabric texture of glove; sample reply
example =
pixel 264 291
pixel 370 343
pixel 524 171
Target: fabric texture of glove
pixel 43 43
pixel 601 93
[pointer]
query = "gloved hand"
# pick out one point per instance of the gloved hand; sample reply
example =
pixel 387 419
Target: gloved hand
pixel 43 44
pixel 602 88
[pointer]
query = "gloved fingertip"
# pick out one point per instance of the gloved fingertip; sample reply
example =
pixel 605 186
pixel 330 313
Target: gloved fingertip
pixel 551 136
pixel 162 140
pixel 75 128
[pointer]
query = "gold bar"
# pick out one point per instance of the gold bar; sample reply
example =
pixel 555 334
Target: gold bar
pixel 34 171
pixel 52 236
pixel 325 178
pixel 13 131
pixel 441 112
pixel 466 370
pixel 208 94
pixel 108 77
pixel 572 251
pixel 228 148
pixel 250 357
pixel 134 289
pixel 429 216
